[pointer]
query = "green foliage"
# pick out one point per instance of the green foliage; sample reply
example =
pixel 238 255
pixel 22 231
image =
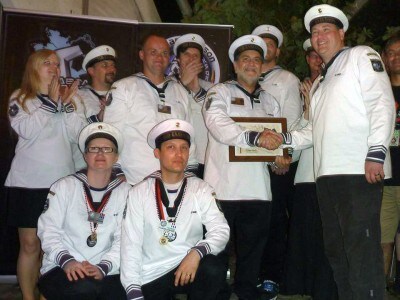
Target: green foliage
pixel 288 16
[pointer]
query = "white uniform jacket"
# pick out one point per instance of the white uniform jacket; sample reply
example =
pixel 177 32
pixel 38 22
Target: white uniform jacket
pixel 352 115
pixel 63 227
pixel 235 180
pixel 143 258
pixel 200 128
pixel 134 108
pixel 285 87
pixel 45 132
pixel 88 106
pixel 305 169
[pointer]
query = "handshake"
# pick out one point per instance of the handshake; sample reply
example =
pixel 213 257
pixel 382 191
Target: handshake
pixel 269 139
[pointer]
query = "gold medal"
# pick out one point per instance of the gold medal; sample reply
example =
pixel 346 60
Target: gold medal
pixel 163 240
pixel 92 240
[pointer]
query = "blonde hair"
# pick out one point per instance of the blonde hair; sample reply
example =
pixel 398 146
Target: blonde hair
pixel 30 85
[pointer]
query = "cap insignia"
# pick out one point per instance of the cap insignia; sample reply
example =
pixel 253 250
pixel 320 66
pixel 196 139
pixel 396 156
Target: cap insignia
pixel 193 38
pixel 100 127
pixel 252 40
pixel 320 10
pixel 177 124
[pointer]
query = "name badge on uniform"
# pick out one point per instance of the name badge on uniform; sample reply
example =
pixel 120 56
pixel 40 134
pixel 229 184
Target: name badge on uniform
pixel 237 101
pixel 164 109
pixel 96 217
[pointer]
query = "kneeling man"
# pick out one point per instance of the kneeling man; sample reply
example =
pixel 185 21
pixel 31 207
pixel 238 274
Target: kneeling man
pixel 163 250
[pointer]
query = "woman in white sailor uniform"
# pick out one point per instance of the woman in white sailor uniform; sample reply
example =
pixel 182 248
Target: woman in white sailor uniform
pixel 163 250
pixel 80 225
pixel 46 123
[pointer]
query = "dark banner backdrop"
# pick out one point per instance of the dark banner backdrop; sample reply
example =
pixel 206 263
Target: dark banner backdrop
pixel 23 32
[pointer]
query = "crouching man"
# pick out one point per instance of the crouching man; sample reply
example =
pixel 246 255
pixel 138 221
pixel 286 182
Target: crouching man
pixel 163 250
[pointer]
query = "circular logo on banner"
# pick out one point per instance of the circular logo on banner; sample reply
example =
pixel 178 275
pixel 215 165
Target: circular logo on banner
pixel 210 62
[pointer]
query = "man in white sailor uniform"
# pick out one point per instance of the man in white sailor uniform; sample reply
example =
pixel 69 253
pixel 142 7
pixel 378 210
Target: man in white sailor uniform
pixel 99 64
pixel 80 227
pixel 189 49
pixel 137 103
pixel 351 125
pixel 284 86
pixel 163 250
pixel 243 188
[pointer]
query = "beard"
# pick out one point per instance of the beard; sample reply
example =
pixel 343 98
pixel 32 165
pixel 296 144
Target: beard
pixel 109 78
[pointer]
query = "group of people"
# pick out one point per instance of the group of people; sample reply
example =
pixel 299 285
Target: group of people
pixel 107 180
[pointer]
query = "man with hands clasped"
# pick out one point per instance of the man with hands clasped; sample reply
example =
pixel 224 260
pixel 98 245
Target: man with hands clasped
pixel 163 251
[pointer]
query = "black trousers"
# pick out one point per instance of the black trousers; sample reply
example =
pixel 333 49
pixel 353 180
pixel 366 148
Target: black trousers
pixel 350 212
pixel 209 283
pixel 54 285
pixel 307 270
pixel 274 256
pixel 249 224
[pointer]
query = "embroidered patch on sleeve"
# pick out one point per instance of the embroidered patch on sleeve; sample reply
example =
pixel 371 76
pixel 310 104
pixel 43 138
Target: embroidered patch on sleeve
pixel 377 65
pixel 13 110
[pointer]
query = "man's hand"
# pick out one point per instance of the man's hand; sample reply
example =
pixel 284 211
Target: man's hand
pixel 282 164
pixel 190 72
pixel 270 139
pixel 187 269
pixel 92 270
pixel 374 172
pixel 75 270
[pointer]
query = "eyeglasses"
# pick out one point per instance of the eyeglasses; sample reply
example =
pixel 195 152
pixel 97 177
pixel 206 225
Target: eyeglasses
pixel 100 149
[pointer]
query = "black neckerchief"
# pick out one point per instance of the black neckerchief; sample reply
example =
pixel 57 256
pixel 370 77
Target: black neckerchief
pixel 171 211
pixel 100 97
pixel 160 91
pixel 326 67
pixel 265 74
pixel 254 96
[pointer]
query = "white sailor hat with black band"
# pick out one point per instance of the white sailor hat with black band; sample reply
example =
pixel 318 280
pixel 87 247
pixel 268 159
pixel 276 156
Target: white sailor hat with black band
pixel 100 130
pixel 307 45
pixel 247 42
pixel 325 13
pixel 190 40
pixel 168 130
pixel 269 31
pixel 97 54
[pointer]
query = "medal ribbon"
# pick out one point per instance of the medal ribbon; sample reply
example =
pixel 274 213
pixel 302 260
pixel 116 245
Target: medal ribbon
pixel 162 199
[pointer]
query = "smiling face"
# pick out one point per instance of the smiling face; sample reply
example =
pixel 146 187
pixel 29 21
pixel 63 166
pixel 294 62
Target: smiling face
pixel 248 68
pixel 155 56
pixel 173 155
pixel 103 74
pixel 48 68
pixel 392 58
pixel 327 39
pixel 314 61
pixel 101 161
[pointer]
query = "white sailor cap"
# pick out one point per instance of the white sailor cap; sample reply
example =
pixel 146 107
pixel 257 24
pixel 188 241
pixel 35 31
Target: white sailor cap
pixel 307 45
pixel 190 40
pixel 247 42
pixel 269 31
pixel 97 54
pixel 168 130
pixel 325 13
pixel 100 130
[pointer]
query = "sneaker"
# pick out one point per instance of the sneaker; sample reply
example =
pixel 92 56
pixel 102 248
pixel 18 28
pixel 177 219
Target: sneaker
pixel 269 290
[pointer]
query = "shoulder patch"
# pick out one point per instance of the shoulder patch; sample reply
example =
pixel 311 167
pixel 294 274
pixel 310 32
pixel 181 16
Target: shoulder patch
pixel 214 195
pixel 377 65
pixel 47 202
pixel 13 110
